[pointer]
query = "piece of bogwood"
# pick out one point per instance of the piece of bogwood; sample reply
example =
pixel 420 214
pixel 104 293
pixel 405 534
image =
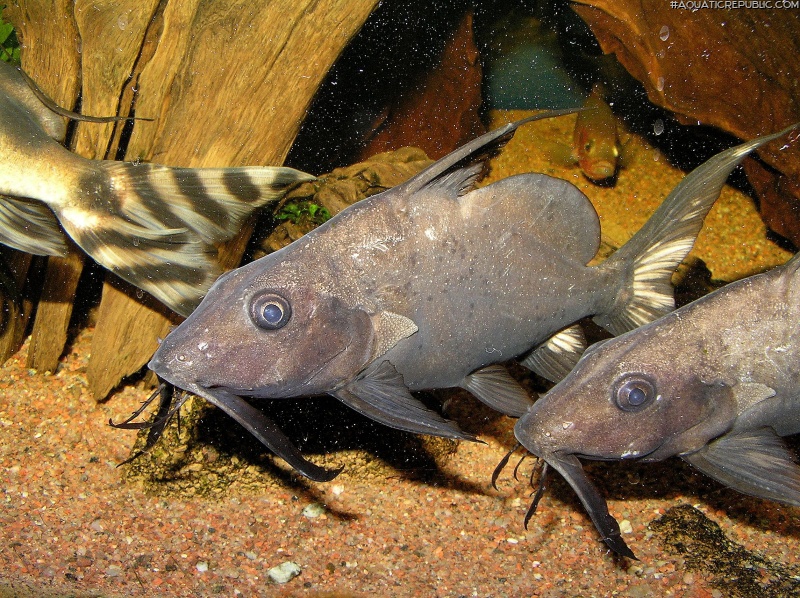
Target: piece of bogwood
pixel 443 111
pixel 53 312
pixel 102 76
pixel 50 55
pixel 16 310
pixel 228 84
pixel 734 69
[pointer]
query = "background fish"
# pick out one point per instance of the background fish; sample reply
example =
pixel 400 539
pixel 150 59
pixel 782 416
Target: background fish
pixel 595 144
pixel 715 382
pixel 428 285
pixel 152 225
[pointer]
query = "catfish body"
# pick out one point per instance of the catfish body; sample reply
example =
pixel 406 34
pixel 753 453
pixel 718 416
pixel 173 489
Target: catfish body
pixel 716 382
pixel 430 285
pixel 155 226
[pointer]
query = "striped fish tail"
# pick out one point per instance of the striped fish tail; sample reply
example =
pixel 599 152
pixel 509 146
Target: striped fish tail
pixel 156 226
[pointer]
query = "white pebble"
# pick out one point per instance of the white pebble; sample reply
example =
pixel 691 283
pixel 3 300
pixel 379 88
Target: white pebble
pixel 314 510
pixel 284 572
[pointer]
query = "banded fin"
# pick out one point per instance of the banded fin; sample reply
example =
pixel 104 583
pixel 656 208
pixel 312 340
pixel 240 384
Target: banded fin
pixel 495 387
pixel 30 226
pixel 155 226
pixel 381 394
pixel 556 357
pixel 656 250
pixel 211 202
pixel 754 462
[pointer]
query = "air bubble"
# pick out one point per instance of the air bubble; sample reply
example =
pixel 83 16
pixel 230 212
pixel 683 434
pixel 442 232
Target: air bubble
pixel 664 33
pixel 660 84
pixel 658 126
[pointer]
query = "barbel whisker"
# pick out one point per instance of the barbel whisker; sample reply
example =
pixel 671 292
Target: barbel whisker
pixel 502 464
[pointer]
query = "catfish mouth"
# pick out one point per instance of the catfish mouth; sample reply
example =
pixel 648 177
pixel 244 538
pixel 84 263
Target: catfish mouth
pixel 572 471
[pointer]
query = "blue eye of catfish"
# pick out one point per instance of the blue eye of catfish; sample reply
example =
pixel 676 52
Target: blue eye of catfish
pixel 634 392
pixel 270 311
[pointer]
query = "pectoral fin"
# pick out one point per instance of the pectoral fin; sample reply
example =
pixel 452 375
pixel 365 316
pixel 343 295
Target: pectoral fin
pixel 381 394
pixel 263 428
pixel 754 462
pixel 556 357
pixel 494 386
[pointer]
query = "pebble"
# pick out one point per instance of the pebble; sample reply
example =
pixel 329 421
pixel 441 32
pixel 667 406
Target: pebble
pixel 284 572
pixel 314 510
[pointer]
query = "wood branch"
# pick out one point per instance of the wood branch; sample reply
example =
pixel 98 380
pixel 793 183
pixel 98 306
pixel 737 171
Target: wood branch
pixel 16 311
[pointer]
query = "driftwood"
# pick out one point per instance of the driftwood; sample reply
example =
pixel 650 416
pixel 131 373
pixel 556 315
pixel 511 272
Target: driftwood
pixel 442 113
pixel 227 83
pixel 733 69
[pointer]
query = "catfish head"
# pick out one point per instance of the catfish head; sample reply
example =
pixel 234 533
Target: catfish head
pixel 266 336
pixel 626 399
pixel 267 339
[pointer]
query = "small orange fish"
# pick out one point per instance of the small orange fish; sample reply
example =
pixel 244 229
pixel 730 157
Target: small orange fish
pixel 595 145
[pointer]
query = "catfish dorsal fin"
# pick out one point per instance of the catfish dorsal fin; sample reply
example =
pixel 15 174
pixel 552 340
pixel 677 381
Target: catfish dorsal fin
pixel 460 169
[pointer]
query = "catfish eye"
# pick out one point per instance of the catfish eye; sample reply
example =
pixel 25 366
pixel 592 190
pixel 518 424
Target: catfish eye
pixel 634 392
pixel 270 311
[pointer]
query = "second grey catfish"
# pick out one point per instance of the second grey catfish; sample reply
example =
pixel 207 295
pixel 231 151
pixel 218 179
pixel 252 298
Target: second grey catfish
pixel 429 285
pixel 155 226
pixel 716 382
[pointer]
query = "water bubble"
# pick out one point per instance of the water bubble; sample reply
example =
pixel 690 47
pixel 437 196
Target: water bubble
pixel 122 21
pixel 664 33
pixel 658 126
pixel 135 242
pixel 139 293
pixel 660 84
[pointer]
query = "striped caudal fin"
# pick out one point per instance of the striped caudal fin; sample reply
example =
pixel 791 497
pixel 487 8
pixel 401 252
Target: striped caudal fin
pixel 155 226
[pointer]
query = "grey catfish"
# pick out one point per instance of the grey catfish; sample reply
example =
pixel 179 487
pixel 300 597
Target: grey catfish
pixel 155 226
pixel 429 285
pixel 716 382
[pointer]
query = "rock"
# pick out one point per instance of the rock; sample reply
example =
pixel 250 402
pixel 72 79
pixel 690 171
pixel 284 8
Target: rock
pixel 284 572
